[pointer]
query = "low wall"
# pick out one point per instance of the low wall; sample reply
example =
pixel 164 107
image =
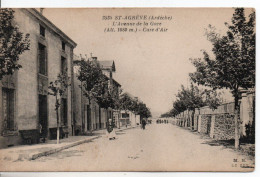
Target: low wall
pixel 218 124
pixel 224 128
pixel 205 121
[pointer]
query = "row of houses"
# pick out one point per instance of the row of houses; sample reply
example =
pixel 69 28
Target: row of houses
pixel 219 123
pixel 89 116
pixel 25 106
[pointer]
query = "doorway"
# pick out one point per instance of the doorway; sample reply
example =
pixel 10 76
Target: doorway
pixel 43 116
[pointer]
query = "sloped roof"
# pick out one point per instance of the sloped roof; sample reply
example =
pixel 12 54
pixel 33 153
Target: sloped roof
pixel 114 81
pixel 107 64
pixel 132 96
pixel 51 26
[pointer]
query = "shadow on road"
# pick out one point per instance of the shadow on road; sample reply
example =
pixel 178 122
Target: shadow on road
pixel 245 148
pixel 120 133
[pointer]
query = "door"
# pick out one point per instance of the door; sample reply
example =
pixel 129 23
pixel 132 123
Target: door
pixel 64 112
pixel 43 115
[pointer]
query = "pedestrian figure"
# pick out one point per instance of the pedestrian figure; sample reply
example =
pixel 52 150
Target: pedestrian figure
pixel 143 124
pixel 110 130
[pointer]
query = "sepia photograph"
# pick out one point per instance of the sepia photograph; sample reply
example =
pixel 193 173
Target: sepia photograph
pixel 127 89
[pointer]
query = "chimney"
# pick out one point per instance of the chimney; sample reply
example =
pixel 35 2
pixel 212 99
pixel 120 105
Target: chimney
pixel 41 10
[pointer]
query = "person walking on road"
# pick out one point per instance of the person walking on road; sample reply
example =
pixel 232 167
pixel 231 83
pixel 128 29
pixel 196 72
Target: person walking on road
pixel 143 124
pixel 110 130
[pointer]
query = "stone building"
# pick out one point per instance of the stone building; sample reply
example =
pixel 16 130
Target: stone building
pixel 89 116
pixel 26 107
pixel 127 117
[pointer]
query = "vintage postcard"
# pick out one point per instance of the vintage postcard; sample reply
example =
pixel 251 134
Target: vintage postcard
pixel 127 89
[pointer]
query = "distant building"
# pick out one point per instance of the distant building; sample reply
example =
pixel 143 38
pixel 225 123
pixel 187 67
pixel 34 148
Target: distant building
pixel 127 117
pixel 25 106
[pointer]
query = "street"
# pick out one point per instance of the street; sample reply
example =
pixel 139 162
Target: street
pixel 160 147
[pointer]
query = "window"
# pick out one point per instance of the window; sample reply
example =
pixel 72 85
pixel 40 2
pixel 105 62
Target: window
pixel 125 115
pixel 64 112
pixel 42 60
pixel 63 65
pixel 8 108
pixel 42 31
pixel 63 45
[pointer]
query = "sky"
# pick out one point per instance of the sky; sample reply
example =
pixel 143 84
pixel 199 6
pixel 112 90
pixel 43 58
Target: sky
pixel 149 65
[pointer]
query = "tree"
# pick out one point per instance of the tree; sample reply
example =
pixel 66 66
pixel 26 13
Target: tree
pixel 125 102
pixel 94 83
pixel 116 97
pixel 233 65
pixel 166 115
pixel 57 89
pixel 143 111
pixel 12 43
pixel 193 97
pixel 138 108
pixel 107 95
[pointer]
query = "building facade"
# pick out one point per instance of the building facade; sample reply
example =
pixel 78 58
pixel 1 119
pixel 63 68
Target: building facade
pixel 88 114
pixel 26 108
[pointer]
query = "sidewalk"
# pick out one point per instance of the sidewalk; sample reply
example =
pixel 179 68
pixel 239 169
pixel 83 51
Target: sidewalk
pixel 245 148
pixel 32 152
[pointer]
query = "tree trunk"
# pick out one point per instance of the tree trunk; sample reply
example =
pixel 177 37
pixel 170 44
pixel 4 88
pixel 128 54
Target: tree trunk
pixel 58 123
pixel 135 121
pixel 119 116
pixel 90 126
pixel 192 119
pixel 236 121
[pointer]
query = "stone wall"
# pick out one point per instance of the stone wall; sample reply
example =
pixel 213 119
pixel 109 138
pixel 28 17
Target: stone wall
pixel 196 117
pixel 224 128
pixel 204 123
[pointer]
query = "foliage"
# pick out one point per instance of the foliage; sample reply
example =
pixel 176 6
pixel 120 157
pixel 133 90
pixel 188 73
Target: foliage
pixel 130 104
pixel 95 85
pixel 233 65
pixel 193 97
pixel 234 62
pixel 126 102
pixel 90 74
pixel 58 88
pixel 12 43
pixel 166 115
pixel 143 111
